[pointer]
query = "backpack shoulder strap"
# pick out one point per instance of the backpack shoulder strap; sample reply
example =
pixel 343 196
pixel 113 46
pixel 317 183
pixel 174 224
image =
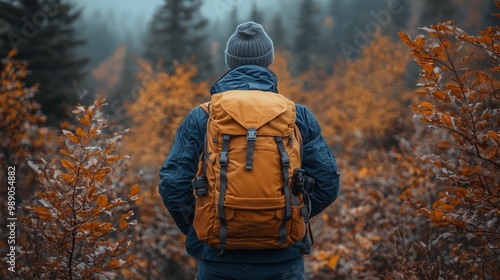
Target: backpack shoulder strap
pixel 205 106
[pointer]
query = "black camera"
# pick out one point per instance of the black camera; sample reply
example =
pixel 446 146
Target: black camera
pixel 200 186
pixel 301 183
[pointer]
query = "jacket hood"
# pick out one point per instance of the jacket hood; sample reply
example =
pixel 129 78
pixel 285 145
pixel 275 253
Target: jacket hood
pixel 247 77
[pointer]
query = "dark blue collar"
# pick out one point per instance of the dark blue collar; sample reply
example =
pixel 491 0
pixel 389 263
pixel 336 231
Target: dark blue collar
pixel 247 77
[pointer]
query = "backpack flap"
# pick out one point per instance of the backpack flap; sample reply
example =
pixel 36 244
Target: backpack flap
pixel 253 109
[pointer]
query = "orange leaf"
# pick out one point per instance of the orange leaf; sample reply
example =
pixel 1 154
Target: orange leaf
pixel 321 255
pixel 86 120
pixel 427 105
pixel 81 133
pixel 461 192
pixel 425 108
pixel 92 191
pixel 68 165
pixel 134 190
pixel 111 159
pixel 114 264
pixel 12 53
pixel 71 136
pixel 67 177
pixel 405 38
pixel 332 262
pixel 437 214
pixel 420 41
pixel 494 135
pixel 123 225
pixel 42 212
pixel 444 144
pixel 102 200
pixel 64 152
pixel 446 119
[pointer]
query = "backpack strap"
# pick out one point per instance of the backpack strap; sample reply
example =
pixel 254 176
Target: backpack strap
pixel 206 107
pixel 251 138
pixel 306 210
pixel 298 136
pixel 285 165
pixel 223 160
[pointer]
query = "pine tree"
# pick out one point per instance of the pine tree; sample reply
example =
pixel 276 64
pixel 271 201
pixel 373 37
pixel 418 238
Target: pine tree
pixel 177 34
pixel 437 12
pixel 307 35
pixel 256 15
pixel 491 8
pixel 278 32
pixel 44 35
pixel 101 39
pixel 233 22
pixel 402 19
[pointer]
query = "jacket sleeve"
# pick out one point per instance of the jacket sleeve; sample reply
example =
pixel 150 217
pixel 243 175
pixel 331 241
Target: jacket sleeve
pixel 318 161
pixel 180 168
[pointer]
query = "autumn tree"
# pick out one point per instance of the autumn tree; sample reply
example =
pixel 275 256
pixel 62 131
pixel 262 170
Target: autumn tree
pixel 74 223
pixel 19 112
pixel 162 103
pixel 362 99
pixel 21 126
pixel 107 74
pixel 460 101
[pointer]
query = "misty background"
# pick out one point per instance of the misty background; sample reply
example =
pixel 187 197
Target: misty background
pixel 90 49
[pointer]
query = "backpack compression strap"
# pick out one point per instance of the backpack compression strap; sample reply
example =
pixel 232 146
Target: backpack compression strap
pixel 251 137
pixel 285 164
pixel 223 160
pixel 206 107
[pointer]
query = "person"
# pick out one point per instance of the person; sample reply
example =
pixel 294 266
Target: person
pixel 248 54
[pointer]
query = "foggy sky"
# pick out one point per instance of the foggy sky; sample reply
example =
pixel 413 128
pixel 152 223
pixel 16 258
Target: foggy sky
pixel 137 12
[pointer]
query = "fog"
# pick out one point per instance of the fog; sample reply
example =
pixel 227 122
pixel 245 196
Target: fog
pixel 131 13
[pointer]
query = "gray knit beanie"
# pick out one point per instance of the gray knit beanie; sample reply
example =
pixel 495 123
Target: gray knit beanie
pixel 249 44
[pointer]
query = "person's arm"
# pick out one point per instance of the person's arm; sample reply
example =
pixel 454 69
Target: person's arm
pixel 318 161
pixel 180 168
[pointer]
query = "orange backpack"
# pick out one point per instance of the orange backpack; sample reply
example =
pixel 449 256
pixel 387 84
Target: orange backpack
pixel 243 189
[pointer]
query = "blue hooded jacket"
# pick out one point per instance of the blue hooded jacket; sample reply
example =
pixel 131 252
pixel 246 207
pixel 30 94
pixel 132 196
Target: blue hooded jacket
pixel 181 165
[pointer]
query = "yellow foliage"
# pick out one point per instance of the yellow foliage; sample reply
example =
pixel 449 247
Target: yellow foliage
pixel 19 113
pixel 162 103
pixel 288 85
pixel 107 75
pixel 363 98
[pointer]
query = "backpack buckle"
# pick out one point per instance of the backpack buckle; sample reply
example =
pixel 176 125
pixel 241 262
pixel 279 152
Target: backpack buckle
pixel 223 159
pixel 285 160
pixel 251 135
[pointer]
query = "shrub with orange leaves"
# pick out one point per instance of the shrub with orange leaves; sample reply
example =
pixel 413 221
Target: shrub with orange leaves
pixel 288 85
pixel 162 102
pixel 461 91
pixel 22 134
pixel 107 74
pixel 19 113
pixel 20 116
pixel 363 98
pixel 72 227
